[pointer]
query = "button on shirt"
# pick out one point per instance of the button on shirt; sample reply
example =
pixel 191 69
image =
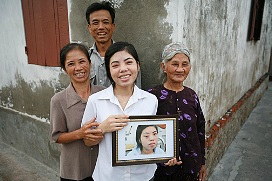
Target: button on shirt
pixel 101 106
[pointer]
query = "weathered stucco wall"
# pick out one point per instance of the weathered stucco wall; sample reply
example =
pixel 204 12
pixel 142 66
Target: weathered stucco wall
pixel 23 87
pixel 224 64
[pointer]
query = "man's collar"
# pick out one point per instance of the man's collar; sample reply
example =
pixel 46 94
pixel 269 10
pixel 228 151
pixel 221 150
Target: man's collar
pixel 94 47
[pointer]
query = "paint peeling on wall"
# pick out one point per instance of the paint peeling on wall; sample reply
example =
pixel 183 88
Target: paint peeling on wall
pixel 116 3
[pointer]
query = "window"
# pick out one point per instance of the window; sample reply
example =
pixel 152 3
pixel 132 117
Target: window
pixel 255 21
pixel 46 30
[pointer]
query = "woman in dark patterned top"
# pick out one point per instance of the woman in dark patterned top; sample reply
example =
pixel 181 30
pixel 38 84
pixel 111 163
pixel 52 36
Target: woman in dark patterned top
pixel 174 98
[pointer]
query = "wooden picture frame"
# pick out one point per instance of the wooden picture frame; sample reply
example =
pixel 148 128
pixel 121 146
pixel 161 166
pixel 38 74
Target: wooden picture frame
pixel 159 130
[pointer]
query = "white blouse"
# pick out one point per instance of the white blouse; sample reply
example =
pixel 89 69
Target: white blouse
pixel 103 104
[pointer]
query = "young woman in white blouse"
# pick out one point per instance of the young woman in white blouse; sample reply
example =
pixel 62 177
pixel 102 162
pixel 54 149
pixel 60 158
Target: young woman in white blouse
pixel 112 106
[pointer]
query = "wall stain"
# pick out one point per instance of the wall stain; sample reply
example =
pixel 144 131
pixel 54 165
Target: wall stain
pixel 31 98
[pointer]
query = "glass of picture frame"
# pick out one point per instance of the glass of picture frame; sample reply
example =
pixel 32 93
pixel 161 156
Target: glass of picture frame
pixel 146 139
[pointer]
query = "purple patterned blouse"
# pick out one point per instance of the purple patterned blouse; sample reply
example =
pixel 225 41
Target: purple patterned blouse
pixel 191 125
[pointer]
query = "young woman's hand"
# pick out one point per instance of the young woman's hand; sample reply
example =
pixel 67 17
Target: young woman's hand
pixel 114 123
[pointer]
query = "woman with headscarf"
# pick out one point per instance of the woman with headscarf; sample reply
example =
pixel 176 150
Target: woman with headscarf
pixel 175 98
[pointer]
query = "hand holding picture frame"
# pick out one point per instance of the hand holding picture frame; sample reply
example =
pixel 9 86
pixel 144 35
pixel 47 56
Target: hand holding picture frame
pixel 146 139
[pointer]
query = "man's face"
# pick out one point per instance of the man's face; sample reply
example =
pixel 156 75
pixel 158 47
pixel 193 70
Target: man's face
pixel 101 26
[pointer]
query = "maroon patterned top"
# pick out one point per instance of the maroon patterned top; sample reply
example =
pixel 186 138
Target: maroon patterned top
pixel 191 125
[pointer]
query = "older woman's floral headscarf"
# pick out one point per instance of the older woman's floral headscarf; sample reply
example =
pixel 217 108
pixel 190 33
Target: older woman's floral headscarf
pixel 172 49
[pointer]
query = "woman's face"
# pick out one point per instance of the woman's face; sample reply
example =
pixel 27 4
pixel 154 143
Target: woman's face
pixel 177 69
pixel 77 66
pixel 123 69
pixel 149 139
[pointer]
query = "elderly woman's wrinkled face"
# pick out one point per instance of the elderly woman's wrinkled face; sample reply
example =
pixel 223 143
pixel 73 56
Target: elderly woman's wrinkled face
pixel 177 69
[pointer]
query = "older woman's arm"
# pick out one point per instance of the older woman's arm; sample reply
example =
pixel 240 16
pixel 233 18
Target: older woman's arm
pixel 85 132
pixel 94 138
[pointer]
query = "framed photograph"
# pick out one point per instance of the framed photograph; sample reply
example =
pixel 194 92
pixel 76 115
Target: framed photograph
pixel 146 139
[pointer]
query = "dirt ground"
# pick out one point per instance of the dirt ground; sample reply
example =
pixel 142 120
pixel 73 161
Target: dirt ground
pixel 17 166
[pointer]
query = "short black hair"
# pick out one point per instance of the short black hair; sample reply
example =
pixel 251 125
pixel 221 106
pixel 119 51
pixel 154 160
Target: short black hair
pixel 117 47
pixel 105 5
pixel 69 47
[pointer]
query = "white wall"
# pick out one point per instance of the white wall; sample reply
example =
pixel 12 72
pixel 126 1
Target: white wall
pixel 224 64
pixel 12 49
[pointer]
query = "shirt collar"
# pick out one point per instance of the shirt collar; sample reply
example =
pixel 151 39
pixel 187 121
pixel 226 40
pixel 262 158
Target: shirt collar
pixel 94 48
pixel 72 97
pixel 107 94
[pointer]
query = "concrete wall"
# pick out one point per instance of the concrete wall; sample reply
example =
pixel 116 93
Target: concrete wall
pixel 221 134
pixel 30 135
pixel 224 64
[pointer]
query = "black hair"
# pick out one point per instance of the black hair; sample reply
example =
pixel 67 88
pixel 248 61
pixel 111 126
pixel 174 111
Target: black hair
pixel 117 47
pixel 139 131
pixel 72 46
pixel 105 5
